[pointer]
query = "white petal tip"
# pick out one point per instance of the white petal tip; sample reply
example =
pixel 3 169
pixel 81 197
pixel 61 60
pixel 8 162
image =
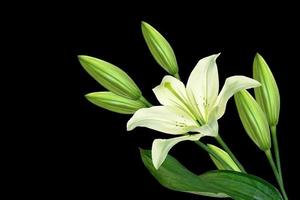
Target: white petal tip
pixel 156 88
pixel 254 83
pixel 216 55
pixel 166 78
pixel 158 155
pixel 129 126
pixel 258 84
pixel 212 57
pixel 156 165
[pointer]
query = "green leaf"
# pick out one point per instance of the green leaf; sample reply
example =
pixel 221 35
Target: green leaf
pixel 160 49
pixel 232 184
pixel 115 103
pixel 241 186
pixel 111 77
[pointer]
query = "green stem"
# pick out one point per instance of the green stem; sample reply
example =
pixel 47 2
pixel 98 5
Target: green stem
pixel 276 150
pixel 145 101
pixel 216 156
pixel 226 148
pixel 177 76
pixel 277 176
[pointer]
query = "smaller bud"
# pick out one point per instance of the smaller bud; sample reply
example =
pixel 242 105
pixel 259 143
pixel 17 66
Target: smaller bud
pixel 115 103
pixel 111 77
pixel 254 119
pixel 160 49
pixel 267 96
pixel 223 155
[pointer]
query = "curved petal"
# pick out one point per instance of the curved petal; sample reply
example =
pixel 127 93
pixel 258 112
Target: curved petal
pixel 203 83
pixel 172 92
pixel 165 119
pixel 210 129
pixel 161 147
pixel 232 85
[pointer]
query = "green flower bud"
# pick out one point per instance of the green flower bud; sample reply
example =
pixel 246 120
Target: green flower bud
pixel 254 119
pixel 160 49
pixel 110 77
pixel 115 103
pixel 267 95
pixel 222 154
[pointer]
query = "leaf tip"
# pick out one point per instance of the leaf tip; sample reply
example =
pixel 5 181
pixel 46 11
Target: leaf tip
pixel 141 150
pixel 145 155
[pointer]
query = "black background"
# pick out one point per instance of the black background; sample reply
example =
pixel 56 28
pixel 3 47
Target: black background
pixel 107 156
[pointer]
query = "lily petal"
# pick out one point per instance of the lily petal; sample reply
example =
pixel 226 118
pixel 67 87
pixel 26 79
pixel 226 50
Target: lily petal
pixel 161 147
pixel 172 92
pixel 203 83
pixel 210 129
pixel 232 85
pixel 165 119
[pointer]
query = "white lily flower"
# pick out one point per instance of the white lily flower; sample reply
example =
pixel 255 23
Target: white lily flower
pixel 194 108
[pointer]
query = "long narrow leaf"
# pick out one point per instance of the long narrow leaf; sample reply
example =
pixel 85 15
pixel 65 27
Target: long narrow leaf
pixel 232 184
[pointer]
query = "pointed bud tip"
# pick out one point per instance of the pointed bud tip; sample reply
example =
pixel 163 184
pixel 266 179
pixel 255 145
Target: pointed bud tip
pixel 258 56
pixel 87 95
pixel 144 24
pixel 80 56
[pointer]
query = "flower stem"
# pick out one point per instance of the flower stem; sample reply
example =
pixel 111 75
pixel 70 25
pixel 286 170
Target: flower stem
pixel 226 148
pixel 145 101
pixel 277 176
pixel 276 150
pixel 216 156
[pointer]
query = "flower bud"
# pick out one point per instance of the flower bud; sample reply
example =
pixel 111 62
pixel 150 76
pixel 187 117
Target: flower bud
pixel 110 77
pixel 114 103
pixel 267 95
pixel 254 119
pixel 223 155
pixel 160 49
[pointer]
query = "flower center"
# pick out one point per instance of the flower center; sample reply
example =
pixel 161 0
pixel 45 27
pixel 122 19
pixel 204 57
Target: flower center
pixel 187 105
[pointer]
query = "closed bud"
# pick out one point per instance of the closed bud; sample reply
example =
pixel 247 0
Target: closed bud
pixel 267 95
pixel 160 49
pixel 254 119
pixel 223 155
pixel 110 77
pixel 115 103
